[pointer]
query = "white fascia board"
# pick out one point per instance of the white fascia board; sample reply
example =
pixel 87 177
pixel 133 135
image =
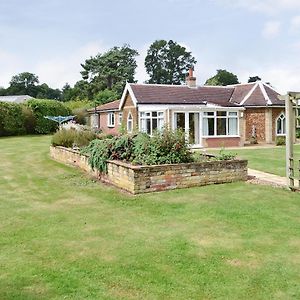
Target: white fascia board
pixel 249 94
pixel 123 98
pixel 262 88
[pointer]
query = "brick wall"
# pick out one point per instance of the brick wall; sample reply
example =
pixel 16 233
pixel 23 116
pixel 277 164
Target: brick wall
pixel 222 142
pixel 256 117
pixel 129 107
pixel 144 179
pixel 104 123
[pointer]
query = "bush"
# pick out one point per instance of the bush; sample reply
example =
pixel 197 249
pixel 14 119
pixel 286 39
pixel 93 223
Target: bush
pixel 72 138
pixel 42 108
pixel 164 147
pixel 280 140
pixel 29 119
pixel 11 119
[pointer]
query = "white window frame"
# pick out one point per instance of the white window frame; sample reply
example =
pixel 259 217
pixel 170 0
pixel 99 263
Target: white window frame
pixel 120 118
pixel 111 119
pixel 282 119
pixel 215 117
pixel 148 115
pixel 129 120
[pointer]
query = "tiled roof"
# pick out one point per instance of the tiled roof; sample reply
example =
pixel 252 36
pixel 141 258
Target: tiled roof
pixel 181 94
pixel 15 98
pixel 255 94
pixel 114 105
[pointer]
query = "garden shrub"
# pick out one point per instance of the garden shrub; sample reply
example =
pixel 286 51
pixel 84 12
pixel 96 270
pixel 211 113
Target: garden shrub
pixel 11 119
pixel 29 119
pixel 72 138
pixel 164 147
pixel 42 108
pixel 280 140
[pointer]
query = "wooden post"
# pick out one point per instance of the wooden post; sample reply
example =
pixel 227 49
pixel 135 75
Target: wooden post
pixel 289 117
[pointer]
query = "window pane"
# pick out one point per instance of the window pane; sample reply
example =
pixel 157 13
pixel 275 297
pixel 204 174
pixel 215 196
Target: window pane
pixel 160 124
pixel 154 114
pixel 143 125
pixel 221 126
pixel 154 125
pixel 232 113
pixel 208 113
pixel 208 126
pixel 148 126
pixel 221 113
pixel 160 114
pixel 180 120
pixel 232 126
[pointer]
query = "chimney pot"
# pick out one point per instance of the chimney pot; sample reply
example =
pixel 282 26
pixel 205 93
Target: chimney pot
pixel 190 79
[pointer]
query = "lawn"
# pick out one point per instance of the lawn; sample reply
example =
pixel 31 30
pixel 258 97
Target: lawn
pixel 270 160
pixel 64 236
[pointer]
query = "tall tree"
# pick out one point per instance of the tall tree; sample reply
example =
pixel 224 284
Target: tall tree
pixel 222 78
pixel 168 62
pixel 110 70
pixel 254 79
pixel 23 84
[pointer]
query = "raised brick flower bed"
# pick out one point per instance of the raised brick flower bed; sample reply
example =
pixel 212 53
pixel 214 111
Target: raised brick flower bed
pixel 144 179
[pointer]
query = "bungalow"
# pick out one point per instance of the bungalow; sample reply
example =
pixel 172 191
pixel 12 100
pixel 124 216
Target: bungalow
pixel 211 116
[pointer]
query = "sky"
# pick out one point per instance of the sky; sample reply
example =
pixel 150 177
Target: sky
pixel 52 38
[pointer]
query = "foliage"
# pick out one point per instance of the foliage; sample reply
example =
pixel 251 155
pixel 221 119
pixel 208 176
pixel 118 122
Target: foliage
pixel 280 140
pixel 222 78
pixel 29 119
pixel 164 147
pixel 254 79
pixel 72 138
pixel 168 62
pixel 78 104
pixel 11 119
pixel 105 96
pixel 222 155
pixel 110 70
pixel 27 83
pixel 41 108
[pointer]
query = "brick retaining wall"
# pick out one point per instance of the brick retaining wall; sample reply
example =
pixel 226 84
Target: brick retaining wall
pixel 144 179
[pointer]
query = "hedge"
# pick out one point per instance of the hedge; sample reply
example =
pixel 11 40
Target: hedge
pixel 41 108
pixel 28 118
pixel 12 120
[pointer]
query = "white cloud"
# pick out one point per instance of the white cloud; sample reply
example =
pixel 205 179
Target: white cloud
pixel 265 6
pixel 141 75
pixel 10 65
pixel 295 23
pixel 271 29
pixel 56 71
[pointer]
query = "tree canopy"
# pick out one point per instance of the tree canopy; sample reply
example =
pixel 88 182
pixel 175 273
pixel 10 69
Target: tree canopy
pixel 222 78
pixel 168 62
pixel 254 79
pixel 110 70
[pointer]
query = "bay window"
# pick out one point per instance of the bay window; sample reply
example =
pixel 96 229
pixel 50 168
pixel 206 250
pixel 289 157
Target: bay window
pixel 220 123
pixel 151 121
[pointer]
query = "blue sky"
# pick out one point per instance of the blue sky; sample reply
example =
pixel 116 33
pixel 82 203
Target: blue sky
pixel 52 38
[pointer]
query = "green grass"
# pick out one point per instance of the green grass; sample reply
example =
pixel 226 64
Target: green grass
pixel 270 160
pixel 64 236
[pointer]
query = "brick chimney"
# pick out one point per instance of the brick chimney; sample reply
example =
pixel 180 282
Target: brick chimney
pixel 190 79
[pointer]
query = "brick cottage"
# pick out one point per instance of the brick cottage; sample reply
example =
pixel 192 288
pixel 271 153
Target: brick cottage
pixel 211 116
